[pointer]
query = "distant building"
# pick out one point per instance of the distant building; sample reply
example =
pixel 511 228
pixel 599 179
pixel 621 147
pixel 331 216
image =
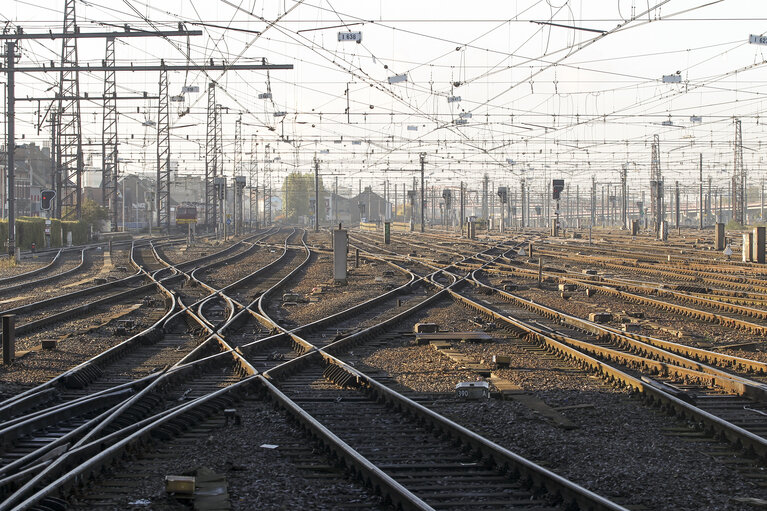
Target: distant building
pixel 368 205
pixel 33 173
pixel 138 204
pixel 338 209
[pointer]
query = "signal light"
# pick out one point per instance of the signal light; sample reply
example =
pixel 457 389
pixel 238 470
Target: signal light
pixel 46 197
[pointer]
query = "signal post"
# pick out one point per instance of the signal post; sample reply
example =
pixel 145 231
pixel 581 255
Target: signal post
pixel 557 186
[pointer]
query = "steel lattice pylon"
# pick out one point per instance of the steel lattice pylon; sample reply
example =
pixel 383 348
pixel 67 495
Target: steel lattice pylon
pixel 656 185
pixel 69 189
pixel 253 181
pixel 267 191
pixel 162 199
pixel 220 163
pixel 739 179
pixel 109 173
pixel 237 146
pixel 211 156
pixel 237 171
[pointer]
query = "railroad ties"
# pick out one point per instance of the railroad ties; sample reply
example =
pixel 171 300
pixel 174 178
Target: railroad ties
pixel 157 354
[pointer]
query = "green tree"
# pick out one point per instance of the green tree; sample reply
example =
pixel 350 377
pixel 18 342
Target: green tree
pixel 298 195
pixel 93 214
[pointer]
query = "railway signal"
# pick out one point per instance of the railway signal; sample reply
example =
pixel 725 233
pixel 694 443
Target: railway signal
pixel 557 186
pixel 46 199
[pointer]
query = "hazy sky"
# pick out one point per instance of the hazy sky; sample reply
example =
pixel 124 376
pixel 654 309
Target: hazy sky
pixel 555 101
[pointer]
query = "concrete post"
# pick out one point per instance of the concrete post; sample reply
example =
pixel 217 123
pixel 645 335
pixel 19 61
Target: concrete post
pixel 748 239
pixel 9 339
pixel 757 250
pixel 340 241
pixel 719 236
pixel 387 233
pixel 540 271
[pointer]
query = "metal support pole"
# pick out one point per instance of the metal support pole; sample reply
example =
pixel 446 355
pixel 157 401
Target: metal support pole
pixel 624 199
pixel 423 202
pixel 10 51
pixel 540 272
pixel 316 194
pixel 700 196
pixel 463 206
pixel 676 198
pixel 524 205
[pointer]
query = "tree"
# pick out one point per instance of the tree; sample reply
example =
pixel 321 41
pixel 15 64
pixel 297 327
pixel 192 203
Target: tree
pixel 93 214
pixel 298 195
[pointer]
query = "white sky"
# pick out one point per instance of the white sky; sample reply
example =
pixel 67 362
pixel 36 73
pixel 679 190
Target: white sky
pixel 538 95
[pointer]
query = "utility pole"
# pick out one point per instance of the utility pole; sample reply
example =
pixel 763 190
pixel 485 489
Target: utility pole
pixel 237 158
pixel 396 203
pixel 253 176
pixel 267 191
pixel 656 185
pixel 68 203
pixel 604 218
pixel 700 192
pixel 423 196
pixel 485 216
pixel 677 206
pixel 211 159
pixel 335 200
pixel 624 197
pixel 109 172
pixel 162 195
pixel 10 61
pixel 463 208
pixel 593 202
pixel 433 203
pixel 219 146
pixel 524 204
pixel 54 165
pixel 316 194
pixel 739 201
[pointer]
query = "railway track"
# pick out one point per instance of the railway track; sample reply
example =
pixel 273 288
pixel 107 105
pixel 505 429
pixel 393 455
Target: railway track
pixel 731 405
pixel 560 491
pixel 180 389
